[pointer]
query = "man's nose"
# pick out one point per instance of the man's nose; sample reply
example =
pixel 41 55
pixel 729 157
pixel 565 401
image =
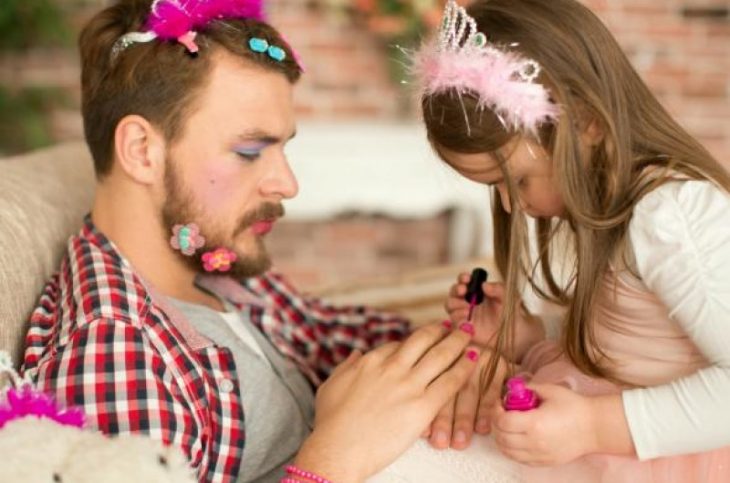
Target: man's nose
pixel 280 182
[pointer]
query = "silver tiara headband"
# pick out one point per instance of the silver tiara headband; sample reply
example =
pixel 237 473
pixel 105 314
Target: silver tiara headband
pixel 460 59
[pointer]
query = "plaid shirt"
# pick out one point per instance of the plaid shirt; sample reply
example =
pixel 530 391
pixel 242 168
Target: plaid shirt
pixel 103 339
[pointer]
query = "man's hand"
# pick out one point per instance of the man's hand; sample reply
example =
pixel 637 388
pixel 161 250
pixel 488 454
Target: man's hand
pixel 470 410
pixel 374 406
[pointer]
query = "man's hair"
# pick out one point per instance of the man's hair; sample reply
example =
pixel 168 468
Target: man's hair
pixel 158 80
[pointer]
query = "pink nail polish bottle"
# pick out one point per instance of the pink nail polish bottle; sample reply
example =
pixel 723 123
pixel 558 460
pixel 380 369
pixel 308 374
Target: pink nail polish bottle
pixel 519 397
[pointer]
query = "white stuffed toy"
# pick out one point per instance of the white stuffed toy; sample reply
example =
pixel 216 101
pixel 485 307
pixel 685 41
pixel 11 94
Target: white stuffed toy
pixel 41 442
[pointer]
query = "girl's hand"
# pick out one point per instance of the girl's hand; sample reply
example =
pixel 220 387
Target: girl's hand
pixel 470 410
pixel 560 430
pixel 486 317
pixel 374 406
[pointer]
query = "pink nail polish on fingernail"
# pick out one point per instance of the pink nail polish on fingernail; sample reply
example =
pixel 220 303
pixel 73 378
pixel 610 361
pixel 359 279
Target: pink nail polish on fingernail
pixel 448 325
pixel 467 327
pixel 472 355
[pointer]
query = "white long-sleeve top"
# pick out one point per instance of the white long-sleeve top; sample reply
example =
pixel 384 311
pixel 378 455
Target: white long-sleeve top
pixel 680 235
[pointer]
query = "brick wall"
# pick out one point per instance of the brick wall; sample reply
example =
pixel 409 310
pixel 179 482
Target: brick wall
pixel 352 246
pixel 681 48
pixel 682 54
pixel 684 58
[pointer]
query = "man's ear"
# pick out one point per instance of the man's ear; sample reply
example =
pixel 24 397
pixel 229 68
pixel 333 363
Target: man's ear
pixel 139 149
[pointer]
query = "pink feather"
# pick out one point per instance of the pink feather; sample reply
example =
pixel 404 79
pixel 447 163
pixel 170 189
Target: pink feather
pixel 493 76
pixel 171 19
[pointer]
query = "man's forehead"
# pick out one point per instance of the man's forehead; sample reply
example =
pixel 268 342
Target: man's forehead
pixel 247 100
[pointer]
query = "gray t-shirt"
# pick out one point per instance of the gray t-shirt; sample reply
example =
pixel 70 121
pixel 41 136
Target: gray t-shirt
pixel 277 400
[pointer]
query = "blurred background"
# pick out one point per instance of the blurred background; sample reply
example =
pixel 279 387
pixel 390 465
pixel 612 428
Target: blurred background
pixel 374 201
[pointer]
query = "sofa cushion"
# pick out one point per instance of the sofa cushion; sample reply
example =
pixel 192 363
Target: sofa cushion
pixel 43 198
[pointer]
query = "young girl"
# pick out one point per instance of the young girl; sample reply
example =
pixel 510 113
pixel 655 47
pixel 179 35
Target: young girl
pixel 535 99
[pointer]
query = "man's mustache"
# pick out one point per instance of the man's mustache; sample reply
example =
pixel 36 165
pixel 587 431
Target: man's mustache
pixel 265 212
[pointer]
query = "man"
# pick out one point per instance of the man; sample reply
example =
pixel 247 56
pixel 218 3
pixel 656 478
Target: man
pixel 163 318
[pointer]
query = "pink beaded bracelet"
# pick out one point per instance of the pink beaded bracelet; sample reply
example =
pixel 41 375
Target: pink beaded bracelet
pixel 293 470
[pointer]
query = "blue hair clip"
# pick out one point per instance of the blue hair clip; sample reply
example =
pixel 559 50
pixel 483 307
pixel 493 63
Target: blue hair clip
pixel 261 45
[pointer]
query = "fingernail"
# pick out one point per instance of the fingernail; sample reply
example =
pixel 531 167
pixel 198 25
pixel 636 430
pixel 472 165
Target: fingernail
pixel 460 437
pixel 448 325
pixel 472 355
pixel 482 424
pixel 441 437
pixel 467 328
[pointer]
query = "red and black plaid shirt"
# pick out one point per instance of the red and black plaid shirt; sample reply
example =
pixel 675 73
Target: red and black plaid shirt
pixel 103 339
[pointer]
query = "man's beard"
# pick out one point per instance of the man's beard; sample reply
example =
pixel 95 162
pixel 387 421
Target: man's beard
pixel 179 209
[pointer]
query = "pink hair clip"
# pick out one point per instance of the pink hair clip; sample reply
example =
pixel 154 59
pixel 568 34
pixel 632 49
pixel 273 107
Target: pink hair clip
pixel 219 260
pixel 187 238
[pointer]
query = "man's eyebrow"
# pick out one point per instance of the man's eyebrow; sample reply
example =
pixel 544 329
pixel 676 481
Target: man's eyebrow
pixel 263 136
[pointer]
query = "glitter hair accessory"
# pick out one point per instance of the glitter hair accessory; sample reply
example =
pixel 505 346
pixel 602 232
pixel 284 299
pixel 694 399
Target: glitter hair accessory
pixel 180 19
pixel 461 60
pixel 25 401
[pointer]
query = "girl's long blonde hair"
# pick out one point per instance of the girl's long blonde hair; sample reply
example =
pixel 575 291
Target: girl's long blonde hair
pixel 642 147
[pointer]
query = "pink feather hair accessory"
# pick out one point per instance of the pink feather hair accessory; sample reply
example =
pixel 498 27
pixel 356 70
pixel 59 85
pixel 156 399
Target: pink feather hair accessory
pixel 172 19
pixel 24 401
pixel 460 60
pixel 180 19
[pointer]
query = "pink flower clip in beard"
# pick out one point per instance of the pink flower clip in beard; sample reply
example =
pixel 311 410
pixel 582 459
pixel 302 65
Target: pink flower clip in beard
pixel 219 260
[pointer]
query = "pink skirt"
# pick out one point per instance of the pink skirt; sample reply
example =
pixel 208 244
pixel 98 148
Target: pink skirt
pixel 548 365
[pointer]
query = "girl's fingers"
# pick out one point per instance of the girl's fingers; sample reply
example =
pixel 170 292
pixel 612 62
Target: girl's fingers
pixel 457 291
pixel 442 426
pixel 512 421
pixel 441 356
pixel 455 304
pixel 445 386
pixel 512 441
pixel 467 402
pixel 457 312
pixel 493 290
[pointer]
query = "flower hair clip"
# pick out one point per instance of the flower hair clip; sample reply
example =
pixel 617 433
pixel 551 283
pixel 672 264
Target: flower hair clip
pixel 462 60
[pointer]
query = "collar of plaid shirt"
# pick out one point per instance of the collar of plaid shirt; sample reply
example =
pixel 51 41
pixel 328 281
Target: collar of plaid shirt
pixel 103 339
